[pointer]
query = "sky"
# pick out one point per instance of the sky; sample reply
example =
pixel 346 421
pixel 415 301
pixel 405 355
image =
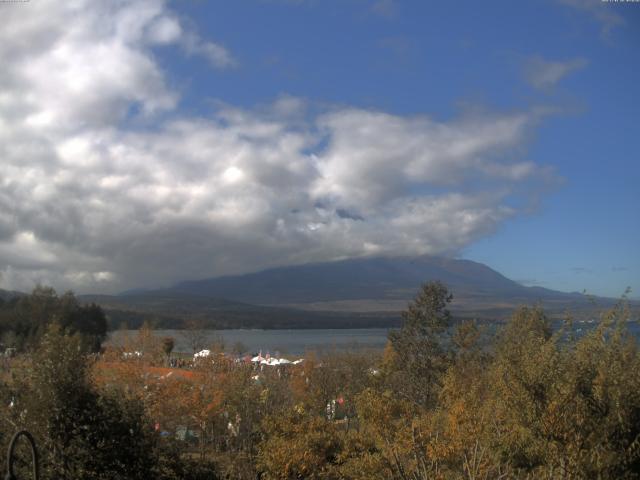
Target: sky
pixel 143 143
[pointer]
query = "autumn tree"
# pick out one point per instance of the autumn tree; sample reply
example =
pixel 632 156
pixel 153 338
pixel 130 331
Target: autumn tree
pixel 81 434
pixel 566 407
pixel 299 446
pixel 195 334
pixel 465 413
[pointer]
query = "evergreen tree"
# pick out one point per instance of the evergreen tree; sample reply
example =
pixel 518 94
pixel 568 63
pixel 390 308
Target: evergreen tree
pixel 420 358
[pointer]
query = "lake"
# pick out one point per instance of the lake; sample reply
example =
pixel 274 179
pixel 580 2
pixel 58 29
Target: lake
pixel 298 342
pixel 284 342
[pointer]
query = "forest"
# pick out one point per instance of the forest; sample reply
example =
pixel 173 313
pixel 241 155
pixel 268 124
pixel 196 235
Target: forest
pixel 525 402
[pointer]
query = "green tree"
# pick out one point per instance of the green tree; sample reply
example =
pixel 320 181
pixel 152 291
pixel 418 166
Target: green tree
pixel 168 343
pixel 420 359
pixel 239 348
pixel 27 318
pixel 82 434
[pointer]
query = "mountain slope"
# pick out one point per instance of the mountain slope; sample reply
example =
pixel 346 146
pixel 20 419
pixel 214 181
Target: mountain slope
pixel 171 309
pixel 381 278
pixel 9 294
pixel 355 292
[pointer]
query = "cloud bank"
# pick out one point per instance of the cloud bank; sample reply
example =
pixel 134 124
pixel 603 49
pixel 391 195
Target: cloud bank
pixel 106 185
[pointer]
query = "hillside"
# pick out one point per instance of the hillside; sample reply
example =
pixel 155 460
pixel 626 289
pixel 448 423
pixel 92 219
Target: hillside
pixel 383 284
pixel 9 294
pixel 350 293
pixel 171 309
pixel 371 278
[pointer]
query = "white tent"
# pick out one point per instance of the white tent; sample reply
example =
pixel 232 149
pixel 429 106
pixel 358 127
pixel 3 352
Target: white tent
pixel 202 353
pixel 258 358
pixel 273 362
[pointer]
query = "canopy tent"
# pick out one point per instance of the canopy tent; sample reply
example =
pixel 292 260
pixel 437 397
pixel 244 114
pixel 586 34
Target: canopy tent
pixel 272 362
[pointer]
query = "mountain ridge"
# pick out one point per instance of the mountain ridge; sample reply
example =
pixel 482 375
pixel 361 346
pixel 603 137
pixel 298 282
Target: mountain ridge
pixel 352 293
pixel 374 278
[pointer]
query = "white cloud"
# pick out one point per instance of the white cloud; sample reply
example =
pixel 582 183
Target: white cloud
pixel 88 204
pixel 385 8
pixel 601 11
pixel 215 54
pixel 545 74
pixel 164 30
pixel 374 156
pixel 71 65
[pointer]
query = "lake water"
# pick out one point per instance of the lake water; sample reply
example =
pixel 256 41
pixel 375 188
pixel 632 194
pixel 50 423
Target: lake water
pixel 284 342
pixel 298 342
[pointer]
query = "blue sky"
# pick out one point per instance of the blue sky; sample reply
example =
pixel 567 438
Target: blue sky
pixel 435 57
pixel 205 138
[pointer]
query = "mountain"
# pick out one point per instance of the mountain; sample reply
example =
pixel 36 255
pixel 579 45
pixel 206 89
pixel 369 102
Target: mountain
pixel 348 293
pixel 380 284
pixel 171 309
pixel 351 279
pixel 9 294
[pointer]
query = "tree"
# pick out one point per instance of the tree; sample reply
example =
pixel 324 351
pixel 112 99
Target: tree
pixel 299 447
pixel 168 343
pixel 27 318
pixel 563 407
pixel 239 348
pixel 465 418
pixel 217 343
pixel 195 334
pixel 420 358
pixel 82 434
